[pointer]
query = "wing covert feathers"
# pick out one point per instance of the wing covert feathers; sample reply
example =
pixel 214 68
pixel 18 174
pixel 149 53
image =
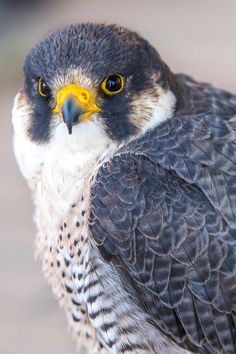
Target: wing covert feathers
pixel 165 207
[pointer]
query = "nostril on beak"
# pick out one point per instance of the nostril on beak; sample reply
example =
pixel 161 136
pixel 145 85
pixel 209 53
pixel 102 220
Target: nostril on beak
pixel 85 96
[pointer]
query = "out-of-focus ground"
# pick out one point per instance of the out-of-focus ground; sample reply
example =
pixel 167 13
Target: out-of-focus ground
pixel 196 37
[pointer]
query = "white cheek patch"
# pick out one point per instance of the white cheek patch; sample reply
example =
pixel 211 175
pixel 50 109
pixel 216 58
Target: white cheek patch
pixel 161 110
pixel 152 108
pixel 29 155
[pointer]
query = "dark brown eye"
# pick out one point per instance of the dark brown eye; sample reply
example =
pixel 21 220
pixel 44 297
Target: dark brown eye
pixel 113 84
pixel 43 88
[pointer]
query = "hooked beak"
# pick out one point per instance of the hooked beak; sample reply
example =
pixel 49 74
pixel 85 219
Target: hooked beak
pixel 75 104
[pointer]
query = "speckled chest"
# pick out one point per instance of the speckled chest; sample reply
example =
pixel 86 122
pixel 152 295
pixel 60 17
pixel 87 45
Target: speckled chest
pixel 63 242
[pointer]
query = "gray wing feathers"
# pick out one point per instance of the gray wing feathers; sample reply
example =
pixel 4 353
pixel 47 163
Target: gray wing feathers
pixel 164 209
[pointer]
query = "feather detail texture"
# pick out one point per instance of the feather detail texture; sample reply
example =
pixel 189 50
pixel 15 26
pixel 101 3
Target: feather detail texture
pixel 164 212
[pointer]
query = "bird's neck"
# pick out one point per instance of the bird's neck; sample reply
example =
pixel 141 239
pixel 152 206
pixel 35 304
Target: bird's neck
pixel 67 174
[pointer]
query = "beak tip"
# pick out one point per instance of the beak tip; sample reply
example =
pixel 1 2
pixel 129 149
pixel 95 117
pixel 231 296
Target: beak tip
pixel 69 127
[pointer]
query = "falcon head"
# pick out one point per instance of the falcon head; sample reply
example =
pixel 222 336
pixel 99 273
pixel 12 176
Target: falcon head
pixel 87 84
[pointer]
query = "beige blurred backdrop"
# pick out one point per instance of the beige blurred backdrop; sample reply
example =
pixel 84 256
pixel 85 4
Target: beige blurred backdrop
pixel 196 37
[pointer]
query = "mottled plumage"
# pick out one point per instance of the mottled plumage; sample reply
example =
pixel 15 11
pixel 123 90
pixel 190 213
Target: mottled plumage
pixel 136 209
pixel 164 207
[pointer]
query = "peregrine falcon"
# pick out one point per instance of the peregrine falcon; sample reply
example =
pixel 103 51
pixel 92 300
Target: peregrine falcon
pixel 133 175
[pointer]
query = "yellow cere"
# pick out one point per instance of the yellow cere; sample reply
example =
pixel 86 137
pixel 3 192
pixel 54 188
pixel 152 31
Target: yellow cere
pixel 84 98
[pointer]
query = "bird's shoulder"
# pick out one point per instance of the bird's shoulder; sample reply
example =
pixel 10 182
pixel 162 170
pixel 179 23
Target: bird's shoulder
pixel 171 246
pixel 163 209
pixel 198 144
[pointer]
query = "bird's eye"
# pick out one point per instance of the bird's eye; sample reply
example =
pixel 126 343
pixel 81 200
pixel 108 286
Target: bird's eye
pixel 113 84
pixel 43 88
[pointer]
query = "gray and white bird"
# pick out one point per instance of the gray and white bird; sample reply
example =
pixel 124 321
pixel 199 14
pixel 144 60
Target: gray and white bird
pixel 133 174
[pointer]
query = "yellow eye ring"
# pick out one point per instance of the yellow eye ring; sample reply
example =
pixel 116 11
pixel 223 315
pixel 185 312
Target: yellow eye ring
pixel 42 87
pixel 113 84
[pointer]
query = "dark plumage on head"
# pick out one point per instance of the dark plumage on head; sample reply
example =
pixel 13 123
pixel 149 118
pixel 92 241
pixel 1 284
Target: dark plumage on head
pixel 86 54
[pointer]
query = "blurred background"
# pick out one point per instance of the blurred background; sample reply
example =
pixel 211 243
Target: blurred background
pixel 195 37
